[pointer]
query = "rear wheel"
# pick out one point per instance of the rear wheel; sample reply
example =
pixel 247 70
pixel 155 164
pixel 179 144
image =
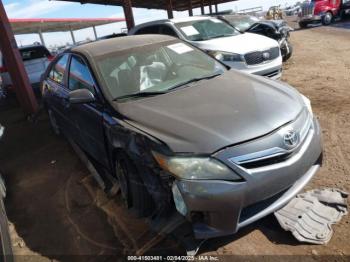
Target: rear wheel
pixel 327 19
pixel 133 191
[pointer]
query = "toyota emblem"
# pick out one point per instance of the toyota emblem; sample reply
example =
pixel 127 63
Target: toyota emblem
pixel 291 138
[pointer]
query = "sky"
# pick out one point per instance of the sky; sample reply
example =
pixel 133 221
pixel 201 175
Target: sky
pixel 57 9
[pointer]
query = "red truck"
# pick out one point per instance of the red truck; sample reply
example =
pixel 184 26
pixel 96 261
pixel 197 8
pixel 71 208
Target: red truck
pixel 324 11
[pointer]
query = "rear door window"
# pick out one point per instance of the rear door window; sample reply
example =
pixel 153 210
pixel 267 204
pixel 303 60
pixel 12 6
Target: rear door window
pixel 32 53
pixel 57 72
pixel 80 76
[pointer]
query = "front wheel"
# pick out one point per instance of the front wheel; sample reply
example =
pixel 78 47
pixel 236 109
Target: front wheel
pixel 327 19
pixel 287 51
pixel 133 191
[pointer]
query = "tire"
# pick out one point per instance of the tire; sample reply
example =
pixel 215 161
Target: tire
pixel 303 25
pixel 327 19
pixel 133 191
pixel 289 54
pixel 53 122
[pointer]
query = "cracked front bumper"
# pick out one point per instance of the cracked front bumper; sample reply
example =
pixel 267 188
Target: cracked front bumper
pixel 217 208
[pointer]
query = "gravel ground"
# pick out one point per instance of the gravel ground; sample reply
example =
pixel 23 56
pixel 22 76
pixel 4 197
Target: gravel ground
pixel 54 216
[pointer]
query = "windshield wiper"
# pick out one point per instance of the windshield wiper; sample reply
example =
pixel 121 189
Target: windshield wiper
pixel 140 94
pixel 193 80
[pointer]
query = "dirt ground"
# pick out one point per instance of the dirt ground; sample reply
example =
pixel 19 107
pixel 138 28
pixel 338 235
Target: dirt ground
pixel 57 212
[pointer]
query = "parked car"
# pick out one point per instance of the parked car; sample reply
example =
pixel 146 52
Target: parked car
pixel 5 240
pixel 248 52
pixel 36 59
pixel 275 29
pixel 180 131
pixel 316 11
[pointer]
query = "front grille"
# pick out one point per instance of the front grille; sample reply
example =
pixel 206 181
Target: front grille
pixel 307 9
pixel 268 161
pixel 258 57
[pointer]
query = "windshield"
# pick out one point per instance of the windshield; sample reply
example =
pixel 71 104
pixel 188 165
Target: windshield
pixel 155 68
pixel 242 23
pixel 201 30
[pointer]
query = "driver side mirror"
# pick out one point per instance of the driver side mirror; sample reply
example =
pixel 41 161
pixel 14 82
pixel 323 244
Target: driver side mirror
pixel 81 96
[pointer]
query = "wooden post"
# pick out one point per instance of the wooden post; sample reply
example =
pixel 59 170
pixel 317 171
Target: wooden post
pixel 216 8
pixel 190 9
pixel 210 8
pixel 14 65
pixel 129 16
pixel 170 9
pixel 202 7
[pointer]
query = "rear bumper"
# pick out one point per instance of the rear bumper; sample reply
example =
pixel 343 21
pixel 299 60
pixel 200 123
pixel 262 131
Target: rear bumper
pixel 217 208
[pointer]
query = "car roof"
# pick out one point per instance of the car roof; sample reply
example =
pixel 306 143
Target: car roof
pixel 108 46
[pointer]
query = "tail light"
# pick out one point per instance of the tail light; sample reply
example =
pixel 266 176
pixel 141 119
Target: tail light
pixel 3 69
pixel 50 58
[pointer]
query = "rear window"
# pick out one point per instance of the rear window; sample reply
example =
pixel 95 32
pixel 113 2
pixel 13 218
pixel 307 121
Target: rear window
pixel 32 53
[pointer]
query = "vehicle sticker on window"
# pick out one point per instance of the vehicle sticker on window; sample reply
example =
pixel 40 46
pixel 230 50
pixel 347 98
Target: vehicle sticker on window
pixel 190 30
pixel 180 48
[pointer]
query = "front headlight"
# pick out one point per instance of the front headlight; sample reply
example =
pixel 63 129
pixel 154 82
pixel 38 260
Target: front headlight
pixel 226 56
pixel 307 103
pixel 196 168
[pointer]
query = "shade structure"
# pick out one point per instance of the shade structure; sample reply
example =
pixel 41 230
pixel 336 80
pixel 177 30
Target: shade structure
pixel 177 5
pixel 46 25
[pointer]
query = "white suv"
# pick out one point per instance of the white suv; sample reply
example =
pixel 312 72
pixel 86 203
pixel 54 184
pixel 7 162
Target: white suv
pixel 248 52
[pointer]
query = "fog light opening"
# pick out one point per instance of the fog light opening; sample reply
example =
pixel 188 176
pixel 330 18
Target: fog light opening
pixel 179 201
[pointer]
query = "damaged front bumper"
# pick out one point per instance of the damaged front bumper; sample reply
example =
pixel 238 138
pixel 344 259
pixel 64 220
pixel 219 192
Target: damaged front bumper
pixel 217 208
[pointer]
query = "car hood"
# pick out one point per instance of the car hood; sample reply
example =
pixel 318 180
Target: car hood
pixel 212 114
pixel 239 44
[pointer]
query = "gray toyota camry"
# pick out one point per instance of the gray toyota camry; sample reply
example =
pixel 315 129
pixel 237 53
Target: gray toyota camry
pixel 181 133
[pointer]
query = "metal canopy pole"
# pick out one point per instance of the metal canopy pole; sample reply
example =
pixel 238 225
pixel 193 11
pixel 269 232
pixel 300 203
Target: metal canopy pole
pixel 170 9
pixel 72 35
pixel 129 16
pixel 95 33
pixel 216 8
pixel 210 8
pixel 190 9
pixel 14 65
pixel 202 7
pixel 41 37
